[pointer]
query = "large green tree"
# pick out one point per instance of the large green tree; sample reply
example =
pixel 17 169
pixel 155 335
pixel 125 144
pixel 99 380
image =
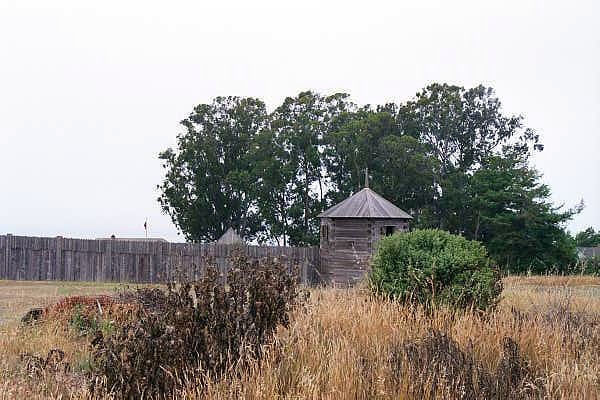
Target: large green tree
pixel 588 238
pixel 208 183
pixel 273 175
pixel 509 210
pixel 461 128
pixel 298 128
pixel 450 156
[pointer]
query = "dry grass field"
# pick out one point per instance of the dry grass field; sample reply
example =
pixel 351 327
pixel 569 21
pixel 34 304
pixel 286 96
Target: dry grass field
pixel 16 297
pixel 344 344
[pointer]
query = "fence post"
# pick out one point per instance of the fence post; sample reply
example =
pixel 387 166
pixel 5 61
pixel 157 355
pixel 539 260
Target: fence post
pixel 7 257
pixel 162 263
pixel 3 271
pixel 58 268
pixel 305 270
pixel 107 264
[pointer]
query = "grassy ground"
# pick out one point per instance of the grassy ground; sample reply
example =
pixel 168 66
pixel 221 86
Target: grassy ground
pixel 17 297
pixel 341 344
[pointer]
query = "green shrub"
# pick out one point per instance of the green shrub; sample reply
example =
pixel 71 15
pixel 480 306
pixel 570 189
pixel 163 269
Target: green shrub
pixel 435 267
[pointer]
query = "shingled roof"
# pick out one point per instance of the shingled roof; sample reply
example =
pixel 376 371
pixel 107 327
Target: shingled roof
pixel 364 204
pixel 230 237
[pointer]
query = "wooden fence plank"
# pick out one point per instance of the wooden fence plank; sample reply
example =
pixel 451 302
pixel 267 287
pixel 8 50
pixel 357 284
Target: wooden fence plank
pixel 59 258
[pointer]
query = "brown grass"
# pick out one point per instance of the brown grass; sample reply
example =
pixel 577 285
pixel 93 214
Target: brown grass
pixel 553 280
pixel 340 346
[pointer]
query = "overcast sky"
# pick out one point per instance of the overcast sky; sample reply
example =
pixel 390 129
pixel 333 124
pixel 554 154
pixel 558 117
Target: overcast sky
pixel 91 92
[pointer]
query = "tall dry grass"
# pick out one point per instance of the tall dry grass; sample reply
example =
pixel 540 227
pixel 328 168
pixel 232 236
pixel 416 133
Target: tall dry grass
pixel 17 382
pixel 344 344
pixel 339 347
pixel 575 281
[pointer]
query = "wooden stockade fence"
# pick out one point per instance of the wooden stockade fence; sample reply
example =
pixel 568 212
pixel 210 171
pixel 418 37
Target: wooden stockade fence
pixel 108 260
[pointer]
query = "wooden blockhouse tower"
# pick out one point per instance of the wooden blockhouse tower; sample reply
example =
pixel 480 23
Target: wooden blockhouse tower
pixel 350 231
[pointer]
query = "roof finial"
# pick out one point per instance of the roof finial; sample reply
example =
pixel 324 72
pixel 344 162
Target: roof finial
pixel 367 177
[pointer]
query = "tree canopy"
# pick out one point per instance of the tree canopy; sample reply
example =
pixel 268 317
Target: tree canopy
pixel 449 156
pixel 588 238
pixel 207 185
pixel 508 209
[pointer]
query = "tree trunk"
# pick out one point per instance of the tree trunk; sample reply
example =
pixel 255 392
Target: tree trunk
pixel 284 218
pixel 320 189
pixel 477 225
pixel 306 189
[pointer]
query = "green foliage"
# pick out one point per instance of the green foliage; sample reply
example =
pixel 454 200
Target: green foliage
pixel 207 186
pixel 196 329
pixel 449 156
pixel 588 238
pixel 400 167
pixel 272 173
pixel 289 168
pixel 511 214
pixel 89 323
pixel 460 127
pixel 82 323
pixel 432 266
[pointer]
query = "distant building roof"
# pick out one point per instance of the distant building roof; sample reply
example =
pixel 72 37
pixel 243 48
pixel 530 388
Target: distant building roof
pixel 126 239
pixel 365 204
pixel 230 237
pixel 588 252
